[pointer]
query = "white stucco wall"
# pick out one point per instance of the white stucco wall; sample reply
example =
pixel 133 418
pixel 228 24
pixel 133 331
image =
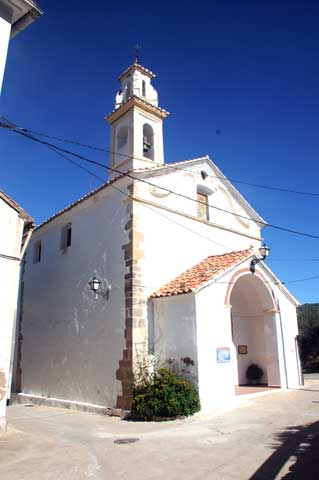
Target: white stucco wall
pixel 175 335
pixel 10 244
pixel 72 342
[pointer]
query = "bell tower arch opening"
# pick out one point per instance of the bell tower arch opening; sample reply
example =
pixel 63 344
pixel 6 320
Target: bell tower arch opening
pixel 254 330
pixel 148 141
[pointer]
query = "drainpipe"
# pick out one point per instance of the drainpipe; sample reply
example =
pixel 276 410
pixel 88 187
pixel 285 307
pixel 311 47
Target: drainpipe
pixel 283 343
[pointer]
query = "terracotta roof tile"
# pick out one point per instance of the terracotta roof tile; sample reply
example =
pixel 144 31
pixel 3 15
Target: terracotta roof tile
pixel 197 276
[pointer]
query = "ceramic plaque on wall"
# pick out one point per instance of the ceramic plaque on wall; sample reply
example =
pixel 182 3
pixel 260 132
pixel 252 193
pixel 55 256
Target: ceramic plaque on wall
pixel 223 354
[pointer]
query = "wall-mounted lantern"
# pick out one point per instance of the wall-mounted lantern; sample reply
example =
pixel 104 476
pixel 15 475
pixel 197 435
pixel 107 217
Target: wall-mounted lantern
pixel 263 252
pixel 99 288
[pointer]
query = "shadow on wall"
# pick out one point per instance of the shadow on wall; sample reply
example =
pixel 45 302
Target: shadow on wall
pixel 298 445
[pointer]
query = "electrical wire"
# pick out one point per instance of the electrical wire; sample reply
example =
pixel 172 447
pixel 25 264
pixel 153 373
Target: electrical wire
pixel 274 282
pixel 81 157
pixel 294 259
pixel 315 277
pixel 133 198
pixel 167 165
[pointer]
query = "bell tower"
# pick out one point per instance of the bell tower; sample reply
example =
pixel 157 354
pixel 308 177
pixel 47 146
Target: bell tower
pixel 136 122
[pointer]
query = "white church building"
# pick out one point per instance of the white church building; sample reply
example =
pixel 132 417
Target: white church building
pixel 163 258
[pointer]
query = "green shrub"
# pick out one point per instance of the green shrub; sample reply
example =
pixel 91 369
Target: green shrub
pixel 164 394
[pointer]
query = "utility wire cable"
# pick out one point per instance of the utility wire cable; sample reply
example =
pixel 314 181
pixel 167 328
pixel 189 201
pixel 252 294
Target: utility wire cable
pixel 183 226
pixel 293 259
pixel 315 277
pixel 275 282
pixel 167 165
pixel 93 162
pixel 133 198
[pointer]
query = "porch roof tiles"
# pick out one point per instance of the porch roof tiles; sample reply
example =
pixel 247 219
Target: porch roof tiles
pixel 197 276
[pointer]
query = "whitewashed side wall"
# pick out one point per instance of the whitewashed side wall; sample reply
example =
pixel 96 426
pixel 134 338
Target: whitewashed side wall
pixel 174 332
pixel 72 342
pixel 10 244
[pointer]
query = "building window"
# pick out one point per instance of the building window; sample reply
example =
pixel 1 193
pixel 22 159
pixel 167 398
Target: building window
pixel 202 206
pixel 66 236
pixel 37 249
pixel 143 88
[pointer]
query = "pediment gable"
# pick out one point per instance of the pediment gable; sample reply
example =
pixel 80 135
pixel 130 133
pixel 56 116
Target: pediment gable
pixel 227 199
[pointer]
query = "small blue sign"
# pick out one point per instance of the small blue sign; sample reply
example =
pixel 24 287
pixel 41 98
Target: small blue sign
pixel 223 355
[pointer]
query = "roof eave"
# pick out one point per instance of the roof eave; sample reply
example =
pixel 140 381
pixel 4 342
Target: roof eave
pixel 25 20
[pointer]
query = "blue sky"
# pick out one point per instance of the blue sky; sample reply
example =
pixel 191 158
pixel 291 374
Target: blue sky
pixel 240 79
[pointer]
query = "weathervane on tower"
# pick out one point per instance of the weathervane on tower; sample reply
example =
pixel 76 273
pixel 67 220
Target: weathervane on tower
pixel 137 49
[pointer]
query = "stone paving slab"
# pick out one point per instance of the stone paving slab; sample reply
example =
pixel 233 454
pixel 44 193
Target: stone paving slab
pixel 274 436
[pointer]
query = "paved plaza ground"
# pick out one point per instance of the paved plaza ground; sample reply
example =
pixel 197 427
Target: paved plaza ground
pixel 273 435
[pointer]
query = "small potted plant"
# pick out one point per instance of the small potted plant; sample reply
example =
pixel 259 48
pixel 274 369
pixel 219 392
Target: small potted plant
pixel 254 373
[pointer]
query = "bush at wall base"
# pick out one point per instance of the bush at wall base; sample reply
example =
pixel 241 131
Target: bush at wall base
pixel 254 373
pixel 164 395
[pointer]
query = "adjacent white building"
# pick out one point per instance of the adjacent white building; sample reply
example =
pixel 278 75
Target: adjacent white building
pixel 16 229
pixel 15 16
pixel 175 248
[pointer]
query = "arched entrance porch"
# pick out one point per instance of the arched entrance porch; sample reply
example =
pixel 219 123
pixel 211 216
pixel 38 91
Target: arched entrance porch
pixel 254 331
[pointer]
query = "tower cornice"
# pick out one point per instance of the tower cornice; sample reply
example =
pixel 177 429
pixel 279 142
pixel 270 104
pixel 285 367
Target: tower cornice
pixel 135 101
pixel 140 68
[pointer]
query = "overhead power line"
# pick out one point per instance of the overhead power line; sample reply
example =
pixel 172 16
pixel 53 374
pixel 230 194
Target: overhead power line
pixel 170 166
pixel 24 132
pixel 145 205
pixel 315 277
pixel 294 259
pixel 274 282
pixel 193 231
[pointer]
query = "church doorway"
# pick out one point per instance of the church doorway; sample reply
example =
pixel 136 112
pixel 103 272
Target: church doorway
pixel 254 332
